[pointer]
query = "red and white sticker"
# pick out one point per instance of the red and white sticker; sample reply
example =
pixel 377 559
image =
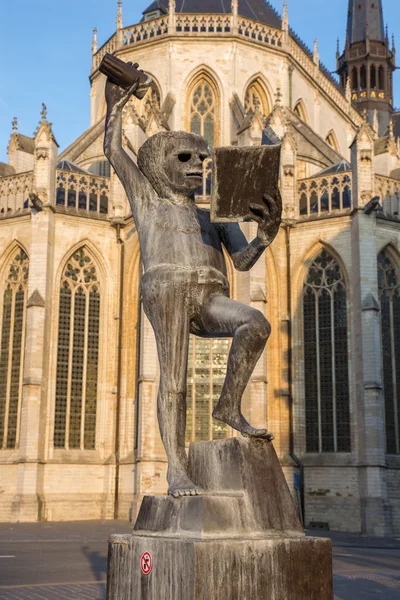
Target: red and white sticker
pixel 146 563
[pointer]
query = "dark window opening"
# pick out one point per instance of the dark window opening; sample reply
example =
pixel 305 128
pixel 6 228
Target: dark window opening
pixel 327 392
pixel 363 77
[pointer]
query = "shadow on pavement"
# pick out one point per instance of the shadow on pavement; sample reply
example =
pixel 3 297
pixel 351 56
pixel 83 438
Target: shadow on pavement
pixel 382 562
pixel 363 589
pixel 97 562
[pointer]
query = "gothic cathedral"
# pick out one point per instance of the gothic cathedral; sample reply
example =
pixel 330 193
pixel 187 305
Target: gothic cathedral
pixel 78 364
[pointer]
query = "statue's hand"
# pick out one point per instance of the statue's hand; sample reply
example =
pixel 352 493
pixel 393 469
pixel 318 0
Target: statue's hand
pixel 117 97
pixel 268 216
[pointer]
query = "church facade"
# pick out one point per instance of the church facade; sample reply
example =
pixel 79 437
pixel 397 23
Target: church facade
pixel 78 364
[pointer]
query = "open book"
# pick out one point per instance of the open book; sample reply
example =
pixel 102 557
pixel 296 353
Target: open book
pixel 242 176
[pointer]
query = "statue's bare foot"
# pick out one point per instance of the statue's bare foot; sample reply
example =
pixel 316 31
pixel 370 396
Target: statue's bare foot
pixel 239 423
pixel 180 485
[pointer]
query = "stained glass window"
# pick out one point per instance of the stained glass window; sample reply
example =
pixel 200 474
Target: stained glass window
pixel 13 318
pixel 255 100
pixel 326 357
pixel 389 294
pixel 77 355
pixel 203 111
pixel 206 376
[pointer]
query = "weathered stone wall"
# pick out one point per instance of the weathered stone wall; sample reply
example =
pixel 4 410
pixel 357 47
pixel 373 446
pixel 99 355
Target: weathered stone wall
pixel 392 478
pixel 332 496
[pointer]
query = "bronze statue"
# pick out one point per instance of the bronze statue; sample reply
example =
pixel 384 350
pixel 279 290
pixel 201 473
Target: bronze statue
pixel 185 286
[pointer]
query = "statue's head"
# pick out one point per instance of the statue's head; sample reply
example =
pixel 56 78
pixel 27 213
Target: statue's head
pixel 173 162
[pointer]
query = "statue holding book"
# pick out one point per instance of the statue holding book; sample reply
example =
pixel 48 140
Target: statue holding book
pixel 185 287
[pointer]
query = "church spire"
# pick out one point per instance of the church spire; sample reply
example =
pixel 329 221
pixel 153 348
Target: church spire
pixel 119 25
pixel 119 22
pixel 95 46
pixel 363 15
pixel 368 62
pixel 285 17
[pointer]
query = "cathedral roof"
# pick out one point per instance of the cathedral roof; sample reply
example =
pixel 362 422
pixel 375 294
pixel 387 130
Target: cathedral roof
pixel 6 170
pixel 68 165
pixel 258 10
pixel 157 5
pixel 25 143
pixel 341 167
pixel 395 174
pixel 88 137
pixel 311 146
pixel 365 14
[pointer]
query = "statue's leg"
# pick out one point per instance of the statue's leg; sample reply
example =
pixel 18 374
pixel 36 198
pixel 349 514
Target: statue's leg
pixel 170 322
pixel 250 330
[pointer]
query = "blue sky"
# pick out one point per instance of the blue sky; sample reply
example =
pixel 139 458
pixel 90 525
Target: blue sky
pixel 45 47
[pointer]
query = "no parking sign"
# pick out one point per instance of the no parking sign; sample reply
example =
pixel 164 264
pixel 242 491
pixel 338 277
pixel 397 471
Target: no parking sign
pixel 146 563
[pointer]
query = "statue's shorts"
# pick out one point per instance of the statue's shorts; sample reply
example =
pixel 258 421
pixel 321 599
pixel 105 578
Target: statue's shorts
pixel 166 291
pixel 180 302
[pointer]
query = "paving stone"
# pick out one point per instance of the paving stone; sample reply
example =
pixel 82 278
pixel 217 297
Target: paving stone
pixel 55 592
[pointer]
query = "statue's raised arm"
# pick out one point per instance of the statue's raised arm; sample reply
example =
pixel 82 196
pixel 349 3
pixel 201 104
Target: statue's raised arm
pixel 132 179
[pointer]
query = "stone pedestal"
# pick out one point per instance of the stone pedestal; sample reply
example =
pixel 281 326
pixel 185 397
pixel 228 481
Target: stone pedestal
pixel 241 540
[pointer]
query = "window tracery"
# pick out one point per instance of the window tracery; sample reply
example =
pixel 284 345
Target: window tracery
pixel 78 354
pixel 255 100
pixel 151 102
pixel 203 111
pixel 11 350
pixel 326 357
pixel 389 296
pixel 206 375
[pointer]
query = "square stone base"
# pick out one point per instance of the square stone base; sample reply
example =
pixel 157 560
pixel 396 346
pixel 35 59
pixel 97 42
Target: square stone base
pixel 145 567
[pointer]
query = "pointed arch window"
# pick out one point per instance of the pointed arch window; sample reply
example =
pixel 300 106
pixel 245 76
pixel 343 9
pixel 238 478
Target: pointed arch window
pixel 389 295
pixel 381 78
pixel 331 139
pixel 203 110
pixel 373 77
pixel 255 100
pixel 150 103
pixel 354 79
pixel 206 375
pixel 78 354
pixel 363 77
pixel 326 357
pixel 300 111
pixel 13 319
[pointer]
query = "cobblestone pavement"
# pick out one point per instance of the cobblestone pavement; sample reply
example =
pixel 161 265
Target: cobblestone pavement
pixel 357 586
pixel 67 561
pixel 55 592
